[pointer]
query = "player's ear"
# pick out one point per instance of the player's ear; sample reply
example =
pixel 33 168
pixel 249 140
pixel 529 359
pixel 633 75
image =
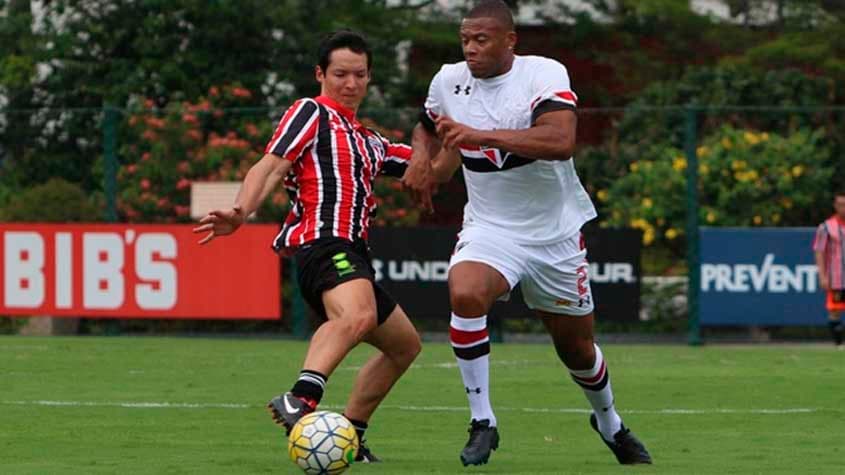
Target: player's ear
pixel 510 38
pixel 318 74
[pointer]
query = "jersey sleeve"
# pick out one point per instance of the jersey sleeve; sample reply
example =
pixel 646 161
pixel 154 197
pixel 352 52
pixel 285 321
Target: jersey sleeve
pixel 820 241
pixel 296 130
pixel 396 157
pixel 434 105
pixel 551 90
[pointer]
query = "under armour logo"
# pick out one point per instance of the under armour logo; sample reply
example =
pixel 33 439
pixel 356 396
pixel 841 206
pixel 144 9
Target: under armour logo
pixel 458 89
pixel 476 390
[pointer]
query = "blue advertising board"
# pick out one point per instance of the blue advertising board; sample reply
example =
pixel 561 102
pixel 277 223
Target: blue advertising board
pixel 760 276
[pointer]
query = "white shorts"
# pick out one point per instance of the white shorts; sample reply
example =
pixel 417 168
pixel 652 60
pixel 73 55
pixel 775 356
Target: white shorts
pixel 554 277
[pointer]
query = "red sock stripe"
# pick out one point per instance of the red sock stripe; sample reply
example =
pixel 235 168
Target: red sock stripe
pixel 465 338
pixel 595 378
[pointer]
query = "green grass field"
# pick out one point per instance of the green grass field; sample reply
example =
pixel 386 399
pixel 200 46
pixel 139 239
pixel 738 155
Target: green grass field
pixel 183 405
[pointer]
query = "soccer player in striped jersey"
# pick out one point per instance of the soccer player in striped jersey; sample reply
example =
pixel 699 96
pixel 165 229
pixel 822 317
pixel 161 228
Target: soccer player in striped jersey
pixel 510 120
pixel 328 162
pixel 829 247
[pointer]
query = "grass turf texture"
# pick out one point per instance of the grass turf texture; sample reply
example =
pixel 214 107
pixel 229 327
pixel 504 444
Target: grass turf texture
pixel 422 424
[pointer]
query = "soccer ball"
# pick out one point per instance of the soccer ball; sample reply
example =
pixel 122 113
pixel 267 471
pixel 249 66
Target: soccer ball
pixel 323 443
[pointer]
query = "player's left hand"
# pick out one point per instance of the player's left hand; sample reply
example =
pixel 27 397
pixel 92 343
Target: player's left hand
pixel 453 134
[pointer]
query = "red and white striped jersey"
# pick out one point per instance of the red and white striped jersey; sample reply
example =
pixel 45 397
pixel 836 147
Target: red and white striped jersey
pixel 830 240
pixel 335 162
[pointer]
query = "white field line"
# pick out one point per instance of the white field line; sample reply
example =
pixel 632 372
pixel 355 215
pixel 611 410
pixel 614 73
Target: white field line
pixel 452 364
pixel 558 410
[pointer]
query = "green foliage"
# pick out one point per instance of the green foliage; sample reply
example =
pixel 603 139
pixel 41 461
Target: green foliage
pixel 744 181
pixel 166 149
pixel 56 201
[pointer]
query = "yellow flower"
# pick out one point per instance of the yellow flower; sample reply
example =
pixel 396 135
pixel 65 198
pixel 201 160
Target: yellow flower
pixel 634 166
pixel 702 151
pixel 679 164
pixel 648 236
pixel 726 143
pixel 711 217
pixel 786 203
pixel 764 136
pixel 797 171
pixel 776 218
pixel 758 220
pixel 703 169
pixel 751 138
pixel 602 195
pixel 671 233
pixel 647 203
pixel 738 164
pixel 616 215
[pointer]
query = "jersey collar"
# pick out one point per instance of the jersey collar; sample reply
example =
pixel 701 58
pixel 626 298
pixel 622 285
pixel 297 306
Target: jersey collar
pixel 346 112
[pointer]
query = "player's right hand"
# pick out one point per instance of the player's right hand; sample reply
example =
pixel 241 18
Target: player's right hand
pixel 418 181
pixel 824 283
pixel 220 222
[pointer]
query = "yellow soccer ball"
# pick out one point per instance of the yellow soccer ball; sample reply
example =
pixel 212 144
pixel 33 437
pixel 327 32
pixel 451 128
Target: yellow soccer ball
pixel 323 443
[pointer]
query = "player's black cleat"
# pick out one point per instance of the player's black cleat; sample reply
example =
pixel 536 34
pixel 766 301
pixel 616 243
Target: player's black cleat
pixel 364 454
pixel 286 409
pixel 482 439
pixel 625 446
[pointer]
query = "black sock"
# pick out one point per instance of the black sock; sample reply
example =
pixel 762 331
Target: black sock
pixel 360 428
pixel 836 331
pixel 309 385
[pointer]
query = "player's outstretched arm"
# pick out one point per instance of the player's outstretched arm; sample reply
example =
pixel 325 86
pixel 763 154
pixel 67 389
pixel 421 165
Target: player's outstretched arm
pixel 552 137
pixel 262 178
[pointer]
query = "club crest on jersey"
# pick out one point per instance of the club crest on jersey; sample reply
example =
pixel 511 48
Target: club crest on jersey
pixel 494 155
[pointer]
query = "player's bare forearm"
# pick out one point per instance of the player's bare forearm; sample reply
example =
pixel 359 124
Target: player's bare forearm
pixel 541 142
pixel 261 179
pixel 418 178
pixel 445 164
pixel 552 137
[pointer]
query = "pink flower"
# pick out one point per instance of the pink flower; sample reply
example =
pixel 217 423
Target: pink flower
pixel 251 130
pixel 131 169
pixel 163 202
pixel 145 184
pixel 183 183
pixel 213 91
pixel 181 210
pixel 190 119
pixel 145 156
pixel 184 166
pixel 241 92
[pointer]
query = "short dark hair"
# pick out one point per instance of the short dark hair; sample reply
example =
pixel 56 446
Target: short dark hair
pixel 343 39
pixel 496 9
pixel 839 193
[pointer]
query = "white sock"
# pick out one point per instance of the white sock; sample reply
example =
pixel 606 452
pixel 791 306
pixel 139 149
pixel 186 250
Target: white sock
pixel 596 384
pixel 471 344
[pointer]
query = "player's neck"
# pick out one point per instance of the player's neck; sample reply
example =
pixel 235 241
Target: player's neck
pixel 507 65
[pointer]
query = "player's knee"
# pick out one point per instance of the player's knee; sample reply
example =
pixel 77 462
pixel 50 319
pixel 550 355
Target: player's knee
pixel 467 300
pixel 359 323
pixel 405 354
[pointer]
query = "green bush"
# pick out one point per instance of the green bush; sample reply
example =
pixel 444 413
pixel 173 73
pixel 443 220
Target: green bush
pixel 745 179
pixel 56 201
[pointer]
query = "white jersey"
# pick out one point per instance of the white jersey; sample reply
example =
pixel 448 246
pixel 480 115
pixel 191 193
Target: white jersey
pixel 529 201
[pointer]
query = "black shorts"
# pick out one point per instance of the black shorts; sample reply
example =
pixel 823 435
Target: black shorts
pixel 325 263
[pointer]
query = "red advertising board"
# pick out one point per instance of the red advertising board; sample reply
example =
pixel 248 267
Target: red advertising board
pixel 137 271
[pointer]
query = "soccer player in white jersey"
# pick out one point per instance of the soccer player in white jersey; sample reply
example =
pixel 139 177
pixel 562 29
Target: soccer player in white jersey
pixel 511 121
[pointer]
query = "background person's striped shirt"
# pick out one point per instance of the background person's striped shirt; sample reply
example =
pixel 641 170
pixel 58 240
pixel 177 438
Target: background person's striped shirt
pixel 830 240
